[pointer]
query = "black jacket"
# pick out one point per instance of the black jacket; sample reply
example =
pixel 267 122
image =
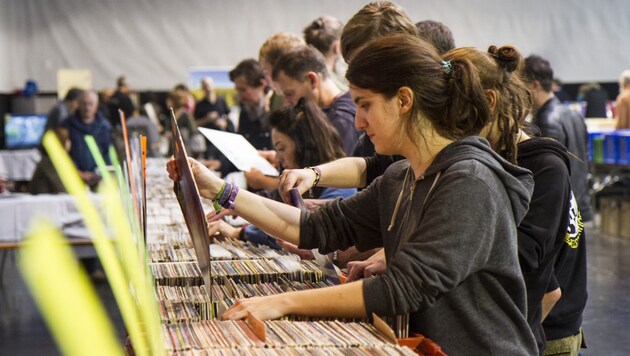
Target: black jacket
pixel 567 127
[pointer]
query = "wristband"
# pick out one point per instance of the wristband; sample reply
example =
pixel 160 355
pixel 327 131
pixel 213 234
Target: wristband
pixel 318 175
pixel 226 194
pixel 220 191
pixel 215 202
pixel 229 204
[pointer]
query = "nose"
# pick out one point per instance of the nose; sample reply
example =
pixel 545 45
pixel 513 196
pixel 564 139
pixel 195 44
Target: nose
pixel 359 121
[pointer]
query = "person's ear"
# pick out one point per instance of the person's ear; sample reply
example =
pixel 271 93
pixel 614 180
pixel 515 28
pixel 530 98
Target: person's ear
pixel 336 48
pixel 535 85
pixel 491 98
pixel 313 79
pixel 405 99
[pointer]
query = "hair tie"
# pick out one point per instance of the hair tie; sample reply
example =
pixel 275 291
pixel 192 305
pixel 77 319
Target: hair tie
pixel 448 67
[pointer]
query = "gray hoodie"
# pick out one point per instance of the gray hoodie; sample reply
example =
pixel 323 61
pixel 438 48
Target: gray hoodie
pixel 452 252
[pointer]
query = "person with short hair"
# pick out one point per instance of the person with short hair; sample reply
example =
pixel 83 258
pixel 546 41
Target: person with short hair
pixel 253 123
pixel 268 55
pixel 562 325
pixel 87 120
pixel 324 33
pixel 436 33
pixel 302 73
pixel 562 124
pixel 212 112
pixel 120 100
pixel 64 109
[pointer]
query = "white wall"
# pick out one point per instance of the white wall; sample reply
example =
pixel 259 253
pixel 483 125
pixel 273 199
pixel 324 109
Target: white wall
pixel 154 42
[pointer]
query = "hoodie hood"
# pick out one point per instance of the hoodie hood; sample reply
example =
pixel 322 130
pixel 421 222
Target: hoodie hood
pixel 518 181
pixel 539 145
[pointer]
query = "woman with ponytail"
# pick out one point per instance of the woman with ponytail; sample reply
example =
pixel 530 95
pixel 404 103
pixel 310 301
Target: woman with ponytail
pixel 446 216
pixel 553 213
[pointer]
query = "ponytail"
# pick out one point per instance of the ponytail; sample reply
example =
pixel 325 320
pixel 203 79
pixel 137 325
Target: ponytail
pixel 500 70
pixel 467 111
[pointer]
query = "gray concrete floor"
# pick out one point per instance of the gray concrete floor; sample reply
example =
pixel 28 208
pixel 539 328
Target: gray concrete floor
pixel 606 318
pixel 606 322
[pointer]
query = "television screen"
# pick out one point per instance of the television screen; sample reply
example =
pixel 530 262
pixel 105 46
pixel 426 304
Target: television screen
pixel 23 131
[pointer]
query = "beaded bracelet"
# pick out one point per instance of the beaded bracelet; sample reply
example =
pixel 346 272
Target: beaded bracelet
pixel 318 175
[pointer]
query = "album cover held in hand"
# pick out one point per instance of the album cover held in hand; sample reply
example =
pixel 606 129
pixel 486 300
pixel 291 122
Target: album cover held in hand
pixel 190 203
pixel 239 151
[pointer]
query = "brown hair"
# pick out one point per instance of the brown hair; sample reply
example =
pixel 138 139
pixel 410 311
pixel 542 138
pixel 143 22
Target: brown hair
pixel 538 68
pixel 276 45
pixel 299 61
pixel 178 98
pixel 500 70
pixel 449 95
pixel 374 20
pixel 437 34
pixel 251 71
pixel 323 32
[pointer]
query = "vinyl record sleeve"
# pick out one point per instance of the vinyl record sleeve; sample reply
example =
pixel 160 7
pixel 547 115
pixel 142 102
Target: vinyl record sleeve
pixel 188 197
pixel 239 151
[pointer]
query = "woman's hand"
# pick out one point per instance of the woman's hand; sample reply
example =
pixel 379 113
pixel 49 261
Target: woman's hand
pixel 257 180
pixel 373 266
pixel 224 229
pixel 303 253
pixel 263 308
pixel 302 179
pixel 269 156
pixel 207 183
pixel 214 216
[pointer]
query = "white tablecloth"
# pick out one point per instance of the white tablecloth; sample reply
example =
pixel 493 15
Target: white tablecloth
pixel 18 210
pixel 19 164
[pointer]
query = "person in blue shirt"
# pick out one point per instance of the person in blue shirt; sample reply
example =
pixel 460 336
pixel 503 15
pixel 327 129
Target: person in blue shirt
pixel 87 120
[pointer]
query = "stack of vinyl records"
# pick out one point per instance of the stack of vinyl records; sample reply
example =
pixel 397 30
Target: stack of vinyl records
pixel 282 337
pixel 238 270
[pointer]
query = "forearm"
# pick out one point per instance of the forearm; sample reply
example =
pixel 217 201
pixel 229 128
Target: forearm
pixel 549 300
pixel 269 183
pixel 344 300
pixel 348 172
pixel 275 218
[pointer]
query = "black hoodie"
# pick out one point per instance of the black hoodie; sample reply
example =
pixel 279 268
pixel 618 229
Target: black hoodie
pixel 543 229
